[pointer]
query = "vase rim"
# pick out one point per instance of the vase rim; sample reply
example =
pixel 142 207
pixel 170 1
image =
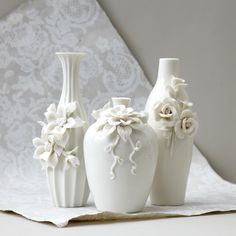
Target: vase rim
pixel 71 53
pixel 121 101
pixel 169 59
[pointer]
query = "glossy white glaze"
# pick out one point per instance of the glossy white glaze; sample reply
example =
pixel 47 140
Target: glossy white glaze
pixel 174 158
pixel 120 165
pixel 68 187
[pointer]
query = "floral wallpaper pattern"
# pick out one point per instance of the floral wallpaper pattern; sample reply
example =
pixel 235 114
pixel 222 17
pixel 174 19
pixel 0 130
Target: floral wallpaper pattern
pixel 31 76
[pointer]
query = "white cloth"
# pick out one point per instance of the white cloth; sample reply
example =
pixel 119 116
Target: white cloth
pixel 31 79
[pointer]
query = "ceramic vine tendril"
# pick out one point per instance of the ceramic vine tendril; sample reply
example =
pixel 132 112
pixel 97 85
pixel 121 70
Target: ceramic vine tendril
pixel 121 120
pixel 120 157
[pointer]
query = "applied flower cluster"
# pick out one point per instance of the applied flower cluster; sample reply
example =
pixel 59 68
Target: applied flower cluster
pixel 120 119
pixel 174 113
pixel 52 145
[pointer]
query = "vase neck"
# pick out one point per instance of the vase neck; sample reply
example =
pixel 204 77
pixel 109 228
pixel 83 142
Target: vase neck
pixel 121 101
pixel 70 67
pixel 168 67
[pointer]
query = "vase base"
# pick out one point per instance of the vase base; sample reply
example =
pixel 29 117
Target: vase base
pixel 119 211
pixel 168 204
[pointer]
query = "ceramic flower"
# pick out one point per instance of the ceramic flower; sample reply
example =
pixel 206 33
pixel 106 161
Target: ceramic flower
pixel 166 112
pixel 54 136
pixel 187 125
pixel 62 118
pixel 97 114
pixel 119 118
pixel 71 160
pixel 185 105
pixel 47 150
pixel 177 88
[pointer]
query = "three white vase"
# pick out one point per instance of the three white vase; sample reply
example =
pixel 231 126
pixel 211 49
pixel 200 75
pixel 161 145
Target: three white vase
pixel 175 125
pixel 120 155
pixel 125 154
pixel 68 186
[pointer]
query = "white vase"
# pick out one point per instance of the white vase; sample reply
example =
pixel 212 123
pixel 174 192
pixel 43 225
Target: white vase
pixel 120 156
pixel 169 185
pixel 68 187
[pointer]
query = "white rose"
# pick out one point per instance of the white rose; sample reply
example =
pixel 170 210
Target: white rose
pixel 187 125
pixel 166 112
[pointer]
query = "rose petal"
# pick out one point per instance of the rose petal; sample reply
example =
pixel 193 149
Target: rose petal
pixel 98 113
pixel 186 104
pixel 70 107
pixel 61 111
pixel 52 108
pixel 129 110
pixel 74 161
pixel 74 122
pixel 124 132
pixel 52 160
pixel 37 142
pixel 179 87
pixel 100 124
pixel 38 151
pixel 58 150
pixel 62 139
pixel 50 127
pixel 136 120
pixel 106 106
pixel 58 130
pixel 196 125
pixel 127 122
pixel 71 160
pixel 186 113
pixel 166 115
pixel 73 151
pixel 176 80
pixel 45 156
pixel 50 116
pixel 137 126
pixel 113 121
pixel 108 129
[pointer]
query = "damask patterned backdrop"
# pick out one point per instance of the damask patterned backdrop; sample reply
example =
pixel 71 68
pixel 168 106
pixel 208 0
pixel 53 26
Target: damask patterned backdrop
pixel 31 76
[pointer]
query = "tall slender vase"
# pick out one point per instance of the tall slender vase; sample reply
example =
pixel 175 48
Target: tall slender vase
pixel 68 186
pixel 175 125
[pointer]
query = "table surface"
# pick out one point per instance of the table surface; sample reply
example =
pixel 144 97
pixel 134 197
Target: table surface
pixel 211 224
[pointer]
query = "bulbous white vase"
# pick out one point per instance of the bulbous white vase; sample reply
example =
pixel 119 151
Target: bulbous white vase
pixel 120 155
pixel 68 186
pixel 175 125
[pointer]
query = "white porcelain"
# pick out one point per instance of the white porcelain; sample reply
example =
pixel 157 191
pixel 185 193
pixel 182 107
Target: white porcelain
pixel 120 156
pixel 68 186
pixel 167 106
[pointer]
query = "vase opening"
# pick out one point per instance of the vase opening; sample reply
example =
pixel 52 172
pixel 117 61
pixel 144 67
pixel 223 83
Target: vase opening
pixel 168 67
pixel 72 53
pixel 169 59
pixel 121 101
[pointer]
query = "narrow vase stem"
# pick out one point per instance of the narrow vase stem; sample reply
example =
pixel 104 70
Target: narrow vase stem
pixel 70 66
